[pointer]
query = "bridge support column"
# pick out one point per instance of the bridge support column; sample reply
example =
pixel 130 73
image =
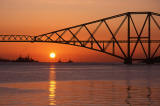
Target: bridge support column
pixel 149 61
pixel 128 61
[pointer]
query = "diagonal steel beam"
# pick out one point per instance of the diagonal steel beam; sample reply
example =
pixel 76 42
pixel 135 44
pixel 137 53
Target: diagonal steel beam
pixel 75 37
pixel 77 32
pixel 139 35
pixel 137 38
pixel 155 22
pixel 49 36
pixel 115 38
pixel 93 38
pixel 95 31
pixel 155 51
pixel 121 24
pixel 108 18
pixel 60 35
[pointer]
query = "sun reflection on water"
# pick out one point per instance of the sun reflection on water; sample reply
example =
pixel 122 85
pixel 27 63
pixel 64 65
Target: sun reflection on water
pixel 52 87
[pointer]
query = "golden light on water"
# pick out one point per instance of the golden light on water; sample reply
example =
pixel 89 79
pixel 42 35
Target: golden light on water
pixel 52 88
pixel 52 93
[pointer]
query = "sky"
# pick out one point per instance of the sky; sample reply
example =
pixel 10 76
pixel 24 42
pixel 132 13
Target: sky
pixel 34 17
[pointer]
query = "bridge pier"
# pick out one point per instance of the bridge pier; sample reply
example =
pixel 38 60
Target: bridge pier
pixel 149 61
pixel 128 61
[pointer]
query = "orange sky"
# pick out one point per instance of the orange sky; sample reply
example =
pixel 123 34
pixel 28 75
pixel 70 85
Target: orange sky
pixel 34 17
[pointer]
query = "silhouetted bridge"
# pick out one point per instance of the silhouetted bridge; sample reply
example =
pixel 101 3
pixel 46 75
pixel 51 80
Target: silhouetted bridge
pixel 129 36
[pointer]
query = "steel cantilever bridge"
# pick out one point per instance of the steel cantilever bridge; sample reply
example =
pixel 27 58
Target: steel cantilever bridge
pixel 119 36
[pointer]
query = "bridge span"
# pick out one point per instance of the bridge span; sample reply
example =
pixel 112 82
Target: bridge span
pixel 120 36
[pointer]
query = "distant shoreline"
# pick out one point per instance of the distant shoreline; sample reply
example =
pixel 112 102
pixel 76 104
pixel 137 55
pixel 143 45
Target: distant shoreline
pixel 19 59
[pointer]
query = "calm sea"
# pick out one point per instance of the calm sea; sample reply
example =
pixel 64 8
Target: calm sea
pixel 79 84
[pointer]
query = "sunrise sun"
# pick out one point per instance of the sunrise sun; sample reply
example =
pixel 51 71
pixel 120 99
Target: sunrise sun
pixel 52 55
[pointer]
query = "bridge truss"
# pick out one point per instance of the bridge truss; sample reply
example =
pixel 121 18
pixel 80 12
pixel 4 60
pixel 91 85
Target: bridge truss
pixel 121 36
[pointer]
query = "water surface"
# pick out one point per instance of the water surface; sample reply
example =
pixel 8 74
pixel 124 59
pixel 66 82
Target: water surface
pixel 79 84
